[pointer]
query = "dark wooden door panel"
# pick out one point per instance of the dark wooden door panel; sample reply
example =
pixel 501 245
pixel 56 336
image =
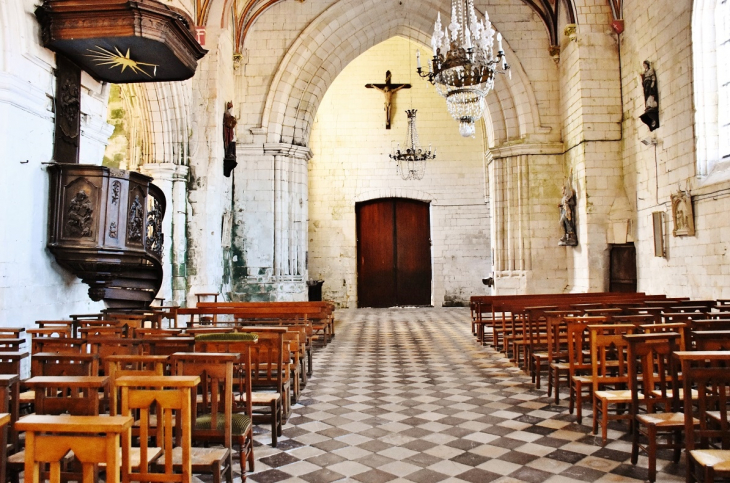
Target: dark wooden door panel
pixel 623 268
pixel 413 253
pixel 376 253
pixel 393 253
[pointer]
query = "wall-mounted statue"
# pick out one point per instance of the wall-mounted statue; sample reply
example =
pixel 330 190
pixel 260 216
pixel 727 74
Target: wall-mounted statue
pixel 229 141
pixel 651 97
pixel 567 217
pixel 682 214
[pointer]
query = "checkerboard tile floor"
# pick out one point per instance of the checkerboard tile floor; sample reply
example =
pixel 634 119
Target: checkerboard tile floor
pixel 406 395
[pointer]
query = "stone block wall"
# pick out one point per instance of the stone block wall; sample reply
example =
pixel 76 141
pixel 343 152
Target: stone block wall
pixel 697 266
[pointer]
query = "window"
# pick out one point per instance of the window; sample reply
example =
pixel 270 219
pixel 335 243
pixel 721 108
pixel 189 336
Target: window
pixel 711 48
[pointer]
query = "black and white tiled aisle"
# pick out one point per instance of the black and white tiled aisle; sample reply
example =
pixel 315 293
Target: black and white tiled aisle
pixel 406 395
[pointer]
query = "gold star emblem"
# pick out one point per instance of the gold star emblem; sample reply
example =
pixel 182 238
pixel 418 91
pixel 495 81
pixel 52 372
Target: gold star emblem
pixel 105 57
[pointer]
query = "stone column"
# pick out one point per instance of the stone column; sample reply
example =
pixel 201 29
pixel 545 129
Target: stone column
pixel 172 180
pixel 524 192
pixel 270 223
pixel 591 105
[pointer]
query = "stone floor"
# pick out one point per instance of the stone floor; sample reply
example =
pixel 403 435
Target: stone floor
pixel 406 395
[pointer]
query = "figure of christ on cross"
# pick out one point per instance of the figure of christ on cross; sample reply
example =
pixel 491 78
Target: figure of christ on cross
pixel 388 90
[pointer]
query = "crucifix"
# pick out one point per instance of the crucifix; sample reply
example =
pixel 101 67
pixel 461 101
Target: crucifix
pixel 388 90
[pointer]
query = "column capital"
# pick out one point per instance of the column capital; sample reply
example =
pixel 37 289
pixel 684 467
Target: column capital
pixel 288 150
pixel 165 171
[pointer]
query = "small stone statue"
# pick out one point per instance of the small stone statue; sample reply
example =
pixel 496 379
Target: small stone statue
pixel 229 141
pixel 651 97
pixel 567 218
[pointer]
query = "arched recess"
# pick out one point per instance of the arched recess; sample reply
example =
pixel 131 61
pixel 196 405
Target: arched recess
pixel 389 192
pixel 349 28
pixel 152 124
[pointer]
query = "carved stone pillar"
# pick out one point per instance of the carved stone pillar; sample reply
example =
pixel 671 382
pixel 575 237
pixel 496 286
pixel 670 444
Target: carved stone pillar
pixel 524 184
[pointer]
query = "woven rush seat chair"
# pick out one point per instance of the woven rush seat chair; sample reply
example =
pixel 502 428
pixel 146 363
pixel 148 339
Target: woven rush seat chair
pixel 212 408
pixel 266 400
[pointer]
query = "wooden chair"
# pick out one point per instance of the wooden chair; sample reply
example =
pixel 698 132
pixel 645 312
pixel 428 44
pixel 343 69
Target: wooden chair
pixel 579 360
pixel 75 395
pixel 52 364
pixel 169 396
pixel 93 439
pixel 8 344
pixel 166 346
pixel 113 346
pixel 609 368
pixel 213 417
pixel 266 405
pixel 711 340
pixel 10 366
pixel 271 366
pixel 8 434
pixel 116 366
pixel 707 430
pixel 557 351
pixel 156 333
pixel 654 386
pixel 59 395
pixel 11 332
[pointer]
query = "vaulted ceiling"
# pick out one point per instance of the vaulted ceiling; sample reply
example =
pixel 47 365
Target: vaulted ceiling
pixel 248 11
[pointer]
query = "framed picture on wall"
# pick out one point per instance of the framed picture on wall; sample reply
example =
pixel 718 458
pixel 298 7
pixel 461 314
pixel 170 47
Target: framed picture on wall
pixel 658 219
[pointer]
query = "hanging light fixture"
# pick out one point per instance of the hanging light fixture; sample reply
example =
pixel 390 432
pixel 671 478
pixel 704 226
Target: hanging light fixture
pixel 411 162
pixel 464 64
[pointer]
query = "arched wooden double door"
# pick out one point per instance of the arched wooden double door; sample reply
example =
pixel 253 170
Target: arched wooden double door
pixel 393 253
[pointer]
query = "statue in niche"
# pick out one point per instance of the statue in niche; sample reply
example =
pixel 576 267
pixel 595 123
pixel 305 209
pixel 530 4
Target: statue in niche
pixel 229 140
pixel 651 97
pixel 567 218
pixel 682 214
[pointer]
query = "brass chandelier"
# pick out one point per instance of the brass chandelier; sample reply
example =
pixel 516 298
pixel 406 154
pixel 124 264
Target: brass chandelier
pixel 411 161
pixel 464 63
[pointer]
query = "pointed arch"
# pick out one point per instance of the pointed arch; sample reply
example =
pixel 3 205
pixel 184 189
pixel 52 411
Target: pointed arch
pixel 346 30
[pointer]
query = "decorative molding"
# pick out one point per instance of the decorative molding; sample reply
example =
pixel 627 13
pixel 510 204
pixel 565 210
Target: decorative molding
pixel 25 96
pixel 547 149
pixel 165 171
pixel 288 150
pixel 375 194
pixel 116 189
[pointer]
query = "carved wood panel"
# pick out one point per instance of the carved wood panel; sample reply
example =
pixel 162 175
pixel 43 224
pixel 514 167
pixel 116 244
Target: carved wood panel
pixel 80 213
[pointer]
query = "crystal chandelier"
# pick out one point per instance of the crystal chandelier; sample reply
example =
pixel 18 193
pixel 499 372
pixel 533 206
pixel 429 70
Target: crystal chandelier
pixel 464 64
pixel 411 163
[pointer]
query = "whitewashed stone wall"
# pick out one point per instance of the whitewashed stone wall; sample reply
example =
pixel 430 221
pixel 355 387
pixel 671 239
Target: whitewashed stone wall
pixel 591 101
pixel 350 164
pixel 32 285
pixel 209 192
pixel 694 266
